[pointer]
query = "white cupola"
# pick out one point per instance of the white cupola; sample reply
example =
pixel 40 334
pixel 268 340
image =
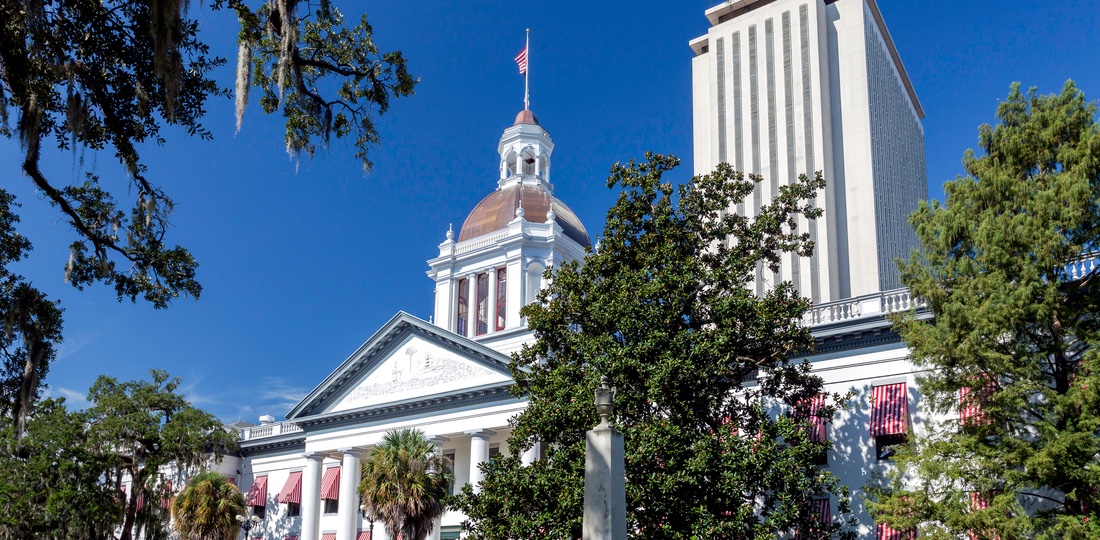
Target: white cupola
pixel 506 243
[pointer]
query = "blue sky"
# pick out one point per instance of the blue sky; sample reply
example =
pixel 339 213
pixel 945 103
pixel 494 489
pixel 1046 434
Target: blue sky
pixel 301 265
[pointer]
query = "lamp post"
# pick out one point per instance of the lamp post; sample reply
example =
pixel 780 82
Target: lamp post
pixel 369 517
pixel 247 523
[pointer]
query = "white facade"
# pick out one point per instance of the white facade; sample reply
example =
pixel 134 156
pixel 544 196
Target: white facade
pixel 786 87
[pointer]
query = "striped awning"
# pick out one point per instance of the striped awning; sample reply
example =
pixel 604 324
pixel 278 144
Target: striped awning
pixel 817 423
pixel 328 536
pixel 166 501
pixel 257 494
pixel 972 402
pixel 889 410
pixel 821 510
pixel 363 535
pixel 330 485
pixel 884 532
pixel 290 537
pixel 980 501
pixel 292 489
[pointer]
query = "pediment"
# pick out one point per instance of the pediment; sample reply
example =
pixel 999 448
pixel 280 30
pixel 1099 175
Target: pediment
pixel 407 359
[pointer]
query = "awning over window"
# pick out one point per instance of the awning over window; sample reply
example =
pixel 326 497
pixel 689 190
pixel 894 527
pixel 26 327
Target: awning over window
pixel 257 494
pixel 821 510
pixel 330 485
pixel 971 403
pixel 166 501
pixel 817 423
pixel 292 489
pixel 290 537
pixel 980 501
pixel 328 536
pixel 884 532
pixel 889 410
pixel 363 535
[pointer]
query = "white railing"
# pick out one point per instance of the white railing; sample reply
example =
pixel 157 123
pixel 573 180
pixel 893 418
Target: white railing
pixel 481 242
pixel 269 430
pixel 868 305
pixel 1083 266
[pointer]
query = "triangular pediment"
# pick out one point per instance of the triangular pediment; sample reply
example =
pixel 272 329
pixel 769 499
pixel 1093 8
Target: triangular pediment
pixel 407 359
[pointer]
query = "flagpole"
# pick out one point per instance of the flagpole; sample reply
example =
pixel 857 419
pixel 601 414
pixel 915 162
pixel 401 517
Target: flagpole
pixel 527 74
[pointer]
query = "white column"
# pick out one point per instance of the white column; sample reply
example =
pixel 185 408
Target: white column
pixel 491 302
pixel 348 509
pixel 530 455
pixel 437 524
pixel 479 453
pixel 311 496
pixel 471 323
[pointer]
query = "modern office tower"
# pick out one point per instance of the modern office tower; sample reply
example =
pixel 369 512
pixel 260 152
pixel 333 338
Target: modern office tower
pixel 786 87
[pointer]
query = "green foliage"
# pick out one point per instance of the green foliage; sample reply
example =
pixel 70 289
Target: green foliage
pixel 64 481
pixel 405 482
pixel 706 372
pixel 147 426
pixel 1015 328
pixel 207 508
pixel 58 487
pixel 32 327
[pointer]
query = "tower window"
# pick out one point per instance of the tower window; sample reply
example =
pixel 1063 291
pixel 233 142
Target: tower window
pixel 463 308
pixel 482 303
pixel 528 158
pixel 502 297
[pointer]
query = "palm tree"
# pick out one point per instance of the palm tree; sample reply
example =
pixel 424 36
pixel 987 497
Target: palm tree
pixel 207 508
pixel 404 484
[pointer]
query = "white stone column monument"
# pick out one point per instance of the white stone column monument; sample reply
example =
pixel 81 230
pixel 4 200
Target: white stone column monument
pixel 604 475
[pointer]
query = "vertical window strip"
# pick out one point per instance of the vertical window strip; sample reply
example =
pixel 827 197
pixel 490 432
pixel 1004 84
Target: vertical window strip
pixel 720 73
pixel 482 303
pixel 462 310
pixel 502 298
pixel 738 120
pixel 754 112
pixel 808 133
pixel 772 178
pixel 788 98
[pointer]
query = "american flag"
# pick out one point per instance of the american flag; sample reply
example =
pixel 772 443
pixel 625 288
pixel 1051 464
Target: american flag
pixel 521 59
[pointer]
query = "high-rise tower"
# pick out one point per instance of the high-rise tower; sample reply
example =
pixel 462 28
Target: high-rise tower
pixel 785 87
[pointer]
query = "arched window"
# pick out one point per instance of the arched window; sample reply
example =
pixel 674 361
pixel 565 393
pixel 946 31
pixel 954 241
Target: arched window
pixel 482 304
pixel 528 158
pixel 502 298
pixel 534 281
pixel 462 314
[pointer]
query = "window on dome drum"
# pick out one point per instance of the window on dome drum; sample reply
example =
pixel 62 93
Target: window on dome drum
pixel 463 308
pixel 482 304
pixel 889 418
pixel 502 297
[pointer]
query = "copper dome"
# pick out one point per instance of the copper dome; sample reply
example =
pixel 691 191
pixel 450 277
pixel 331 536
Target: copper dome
pixel 494 212
pixel 526 117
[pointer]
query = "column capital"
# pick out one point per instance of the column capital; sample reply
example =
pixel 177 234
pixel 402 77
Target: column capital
pixel 314 456
pixel 355 452
pixel 481 433
pixel 439 440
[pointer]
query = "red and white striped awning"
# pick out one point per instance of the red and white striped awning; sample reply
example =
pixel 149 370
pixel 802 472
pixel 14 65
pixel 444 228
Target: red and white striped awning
pixel 822 511
pixel 884 532
pixel 257 494
pixel 330 484
pixel 292 489
pixel 328 536
pixel 290 537
pixel 979 500
pixel 363 535
pixel 817 423
pixel 889 410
